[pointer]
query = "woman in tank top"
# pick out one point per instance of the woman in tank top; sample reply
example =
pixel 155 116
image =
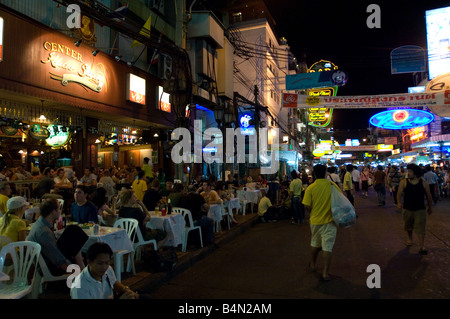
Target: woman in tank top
pixel 414 189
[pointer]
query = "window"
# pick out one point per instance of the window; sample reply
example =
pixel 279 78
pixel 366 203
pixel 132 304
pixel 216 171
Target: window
pixel 237 17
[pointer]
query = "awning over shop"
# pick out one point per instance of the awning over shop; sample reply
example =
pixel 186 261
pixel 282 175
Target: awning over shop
pixel 432 141
pixel 400 155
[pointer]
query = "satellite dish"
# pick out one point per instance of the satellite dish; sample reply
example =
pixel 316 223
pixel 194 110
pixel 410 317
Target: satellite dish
pixel 440 83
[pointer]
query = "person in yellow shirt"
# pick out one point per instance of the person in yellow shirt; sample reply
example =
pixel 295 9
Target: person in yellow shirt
pixel 317 201
pixel 5 192
pixel 12 224
pixel 147 168
pixel 295 193
pixel 265 208
pixel 140 186
pixel 348 184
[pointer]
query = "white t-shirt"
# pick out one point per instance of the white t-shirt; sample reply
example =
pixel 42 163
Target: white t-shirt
pixel 356 175
pixel 334 177
pixel 90 288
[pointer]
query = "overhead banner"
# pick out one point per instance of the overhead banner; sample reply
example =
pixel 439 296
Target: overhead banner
pixel 292 100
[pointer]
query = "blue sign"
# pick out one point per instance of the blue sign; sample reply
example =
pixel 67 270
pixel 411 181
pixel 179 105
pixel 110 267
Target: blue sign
pixel 246 127
pixel 408 59
pixel 303 81
pixel 401 119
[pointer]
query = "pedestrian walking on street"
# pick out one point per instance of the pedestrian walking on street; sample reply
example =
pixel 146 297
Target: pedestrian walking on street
pixel 317 201
pixel 379 185
pixel 348 184
pixel 431 178
pixel 295 192
pixel 356 179
pixel 394 179
pixel 365 177
pixel 414 189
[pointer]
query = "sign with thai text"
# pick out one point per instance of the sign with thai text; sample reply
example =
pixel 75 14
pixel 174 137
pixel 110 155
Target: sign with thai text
pixel 401 119
pixel 294 100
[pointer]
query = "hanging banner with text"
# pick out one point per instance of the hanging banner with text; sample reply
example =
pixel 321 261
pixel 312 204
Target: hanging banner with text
pixel 293 100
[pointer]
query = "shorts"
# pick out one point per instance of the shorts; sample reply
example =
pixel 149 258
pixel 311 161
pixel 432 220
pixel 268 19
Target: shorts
pixel 323 236
pixel 415 220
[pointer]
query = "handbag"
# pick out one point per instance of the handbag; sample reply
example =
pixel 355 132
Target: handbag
pixel 343 211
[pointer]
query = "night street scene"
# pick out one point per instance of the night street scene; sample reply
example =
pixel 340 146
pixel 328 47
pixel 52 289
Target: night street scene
pixel 224 158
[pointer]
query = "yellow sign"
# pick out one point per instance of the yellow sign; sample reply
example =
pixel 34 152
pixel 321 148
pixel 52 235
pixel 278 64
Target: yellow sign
pixel 312 100
pixel 318 152
pixel 384 148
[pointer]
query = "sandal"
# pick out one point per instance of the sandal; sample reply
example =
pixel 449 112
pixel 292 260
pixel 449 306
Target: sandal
pixel 322 278
pixel 423 251
pixel 409 244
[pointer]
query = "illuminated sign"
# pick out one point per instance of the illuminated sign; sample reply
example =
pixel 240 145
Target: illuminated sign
pixel 246 127
pixel 209 149
pixel 136 89
pixel 401 119
pixel 417 134
pixel 164 101
pixel 416 89
pixel 321 117
pixel 1 39
pixel 57 135
pixel 385 148
pixel 438 41
pixel 66 59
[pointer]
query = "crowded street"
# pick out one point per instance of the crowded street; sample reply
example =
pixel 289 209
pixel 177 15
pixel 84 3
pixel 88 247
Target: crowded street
pixel 196 149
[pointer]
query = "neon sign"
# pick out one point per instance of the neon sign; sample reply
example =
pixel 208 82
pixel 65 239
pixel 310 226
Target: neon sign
pixel 246 127
pixel 401 119
pixel 321 117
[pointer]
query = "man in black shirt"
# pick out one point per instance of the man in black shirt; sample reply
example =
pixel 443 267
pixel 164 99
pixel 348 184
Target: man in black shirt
pixel 198 207
pixel 152 196
pixel 231 181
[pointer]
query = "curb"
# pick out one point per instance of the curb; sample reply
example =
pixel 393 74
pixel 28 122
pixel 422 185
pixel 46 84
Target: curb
pixel 152 281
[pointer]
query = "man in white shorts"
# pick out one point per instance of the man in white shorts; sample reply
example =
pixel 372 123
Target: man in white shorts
pixel 317 200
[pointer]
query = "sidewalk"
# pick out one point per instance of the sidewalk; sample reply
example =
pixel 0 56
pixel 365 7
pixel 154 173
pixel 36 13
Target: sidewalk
pixel 144 280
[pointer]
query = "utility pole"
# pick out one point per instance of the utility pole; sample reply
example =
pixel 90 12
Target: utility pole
pixel 257 122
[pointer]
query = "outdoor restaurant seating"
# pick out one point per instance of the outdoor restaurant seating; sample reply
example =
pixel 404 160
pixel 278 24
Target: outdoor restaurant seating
pixel 24 256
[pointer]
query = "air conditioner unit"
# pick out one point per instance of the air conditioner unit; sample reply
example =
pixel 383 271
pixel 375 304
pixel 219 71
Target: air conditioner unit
pixel 165 67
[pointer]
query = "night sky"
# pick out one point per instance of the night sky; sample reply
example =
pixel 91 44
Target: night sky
pixel 337 31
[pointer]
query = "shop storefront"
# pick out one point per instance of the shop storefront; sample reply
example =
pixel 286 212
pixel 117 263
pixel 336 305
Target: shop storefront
pixel 60 101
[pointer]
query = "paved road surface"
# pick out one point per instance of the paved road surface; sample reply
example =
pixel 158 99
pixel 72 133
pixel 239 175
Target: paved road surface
pixel 269 261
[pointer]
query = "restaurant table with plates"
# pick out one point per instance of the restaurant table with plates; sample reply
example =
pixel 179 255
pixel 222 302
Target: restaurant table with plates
pixel 116 238
pixel 174 224
pixel 248 196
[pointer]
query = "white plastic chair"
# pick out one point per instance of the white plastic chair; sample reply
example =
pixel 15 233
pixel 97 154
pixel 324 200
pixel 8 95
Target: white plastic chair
pixel 131 226
pixel 227 213
pixel 43 276
pixel 185 212
pixel 142 242
pixel 24 255
pixel 244 201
